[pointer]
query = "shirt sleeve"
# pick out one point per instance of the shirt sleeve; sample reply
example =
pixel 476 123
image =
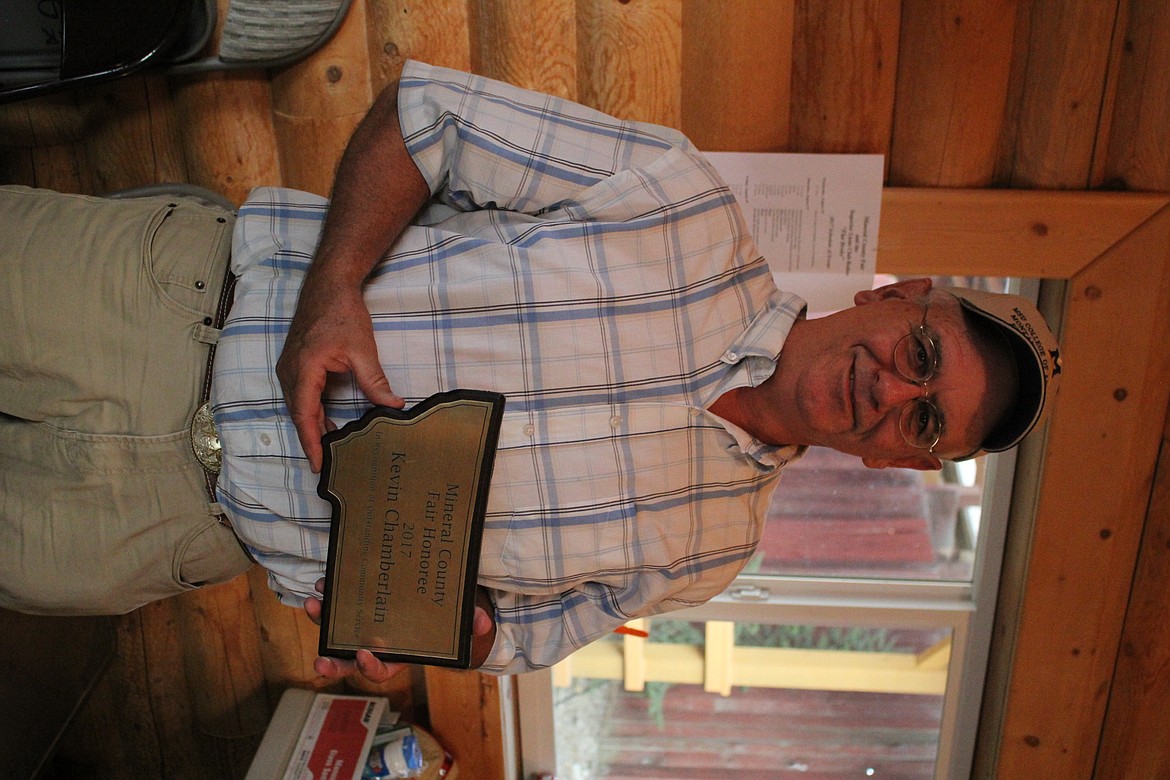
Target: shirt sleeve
pixel 484 144
pixel 536 631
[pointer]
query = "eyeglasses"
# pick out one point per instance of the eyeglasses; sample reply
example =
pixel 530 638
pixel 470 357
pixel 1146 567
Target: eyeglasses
pixel 916 357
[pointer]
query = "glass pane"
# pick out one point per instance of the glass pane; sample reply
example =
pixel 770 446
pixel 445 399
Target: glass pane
pixel 833 517
pixel 855 707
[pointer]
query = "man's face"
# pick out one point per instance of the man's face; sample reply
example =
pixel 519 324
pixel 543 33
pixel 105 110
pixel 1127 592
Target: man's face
pixel 849 395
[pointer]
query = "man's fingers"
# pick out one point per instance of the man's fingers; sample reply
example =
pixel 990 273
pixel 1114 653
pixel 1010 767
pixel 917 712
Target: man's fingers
pixel 365 664
pixel 303 385
pixel 309 434
pixel 372 381
pixel 313 605
pixel 313 610
pixel 330 667
pixel 374 670
pixel 308 415
pixel 481 623
pixel 302 395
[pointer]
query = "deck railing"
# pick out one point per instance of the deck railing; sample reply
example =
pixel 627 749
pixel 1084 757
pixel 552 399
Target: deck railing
pixel 721 665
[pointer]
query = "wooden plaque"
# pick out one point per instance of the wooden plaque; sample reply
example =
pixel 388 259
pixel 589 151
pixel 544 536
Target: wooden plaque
pixel 408 491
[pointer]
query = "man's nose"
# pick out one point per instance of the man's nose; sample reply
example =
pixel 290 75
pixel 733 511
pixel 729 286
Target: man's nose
pixel 893 391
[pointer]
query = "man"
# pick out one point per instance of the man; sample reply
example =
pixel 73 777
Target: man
pixel 597 273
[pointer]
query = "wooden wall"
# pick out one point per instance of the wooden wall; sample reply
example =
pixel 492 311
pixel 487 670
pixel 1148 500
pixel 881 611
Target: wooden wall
pixel 1025 94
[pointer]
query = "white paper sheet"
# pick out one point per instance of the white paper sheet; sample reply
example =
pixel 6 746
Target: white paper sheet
pixel 813 216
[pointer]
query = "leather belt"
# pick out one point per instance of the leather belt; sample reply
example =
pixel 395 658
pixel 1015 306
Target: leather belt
pixel 204 439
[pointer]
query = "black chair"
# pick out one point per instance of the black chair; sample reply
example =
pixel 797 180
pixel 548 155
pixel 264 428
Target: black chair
pixel 54 45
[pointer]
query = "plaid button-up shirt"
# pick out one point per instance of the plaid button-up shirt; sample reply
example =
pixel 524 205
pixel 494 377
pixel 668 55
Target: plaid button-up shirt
pixel 599 275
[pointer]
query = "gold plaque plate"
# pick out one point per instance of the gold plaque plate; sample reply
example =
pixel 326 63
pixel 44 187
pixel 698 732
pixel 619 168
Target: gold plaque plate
pixel 409 492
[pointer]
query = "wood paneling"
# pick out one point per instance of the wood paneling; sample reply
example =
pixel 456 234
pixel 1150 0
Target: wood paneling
pixel 142 720
pixel 1131 747
pixel 846 56
pixel 40 698
pixel 633 57
pixel 737 75
pixel 465 717
pixel 288 640
pixel 1138 154
pixel 953 74
pixel 1058 87
pixel 531 45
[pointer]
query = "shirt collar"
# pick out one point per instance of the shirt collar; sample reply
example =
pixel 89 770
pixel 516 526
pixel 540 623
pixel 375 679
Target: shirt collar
pixel 753 356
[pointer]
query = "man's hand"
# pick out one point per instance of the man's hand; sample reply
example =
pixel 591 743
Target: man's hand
pixel 330 333
pixel 483 630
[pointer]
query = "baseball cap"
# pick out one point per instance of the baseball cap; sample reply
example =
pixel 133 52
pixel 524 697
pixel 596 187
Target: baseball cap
pixel 1036 355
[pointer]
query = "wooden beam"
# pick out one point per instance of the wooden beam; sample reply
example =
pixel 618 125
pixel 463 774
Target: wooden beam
pixel 317 103
pixel 719 657
pixel 431 31
pixel 634 657
pixel 1059 87
pixel 775 667
pixel 1004 233
pixel 225 126
pixel 1101 447
pixel 531 45
pixel 1138 147
pixel 635 53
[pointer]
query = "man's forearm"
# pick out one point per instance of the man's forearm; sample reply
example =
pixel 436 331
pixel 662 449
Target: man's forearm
pixel 377 192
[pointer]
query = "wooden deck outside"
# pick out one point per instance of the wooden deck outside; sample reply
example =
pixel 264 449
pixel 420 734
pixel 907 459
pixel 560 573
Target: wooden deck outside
pixel 770 735
pixel 832 516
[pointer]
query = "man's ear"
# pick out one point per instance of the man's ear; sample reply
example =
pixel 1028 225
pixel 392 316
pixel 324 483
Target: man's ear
pixel 908 289
pixel 923 462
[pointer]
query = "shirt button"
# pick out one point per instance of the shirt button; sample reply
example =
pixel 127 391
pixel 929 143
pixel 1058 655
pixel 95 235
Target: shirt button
pixel 615 421
pixel 265 439
pixel 731 355
pixel 529 429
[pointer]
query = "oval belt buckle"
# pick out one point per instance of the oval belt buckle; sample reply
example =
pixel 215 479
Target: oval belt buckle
pixel 205 440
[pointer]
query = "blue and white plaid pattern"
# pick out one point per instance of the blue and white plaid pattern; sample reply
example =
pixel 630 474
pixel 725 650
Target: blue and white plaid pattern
pixel 599 275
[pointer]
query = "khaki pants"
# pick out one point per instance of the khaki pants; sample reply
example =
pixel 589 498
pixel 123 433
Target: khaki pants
pixel 104 306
